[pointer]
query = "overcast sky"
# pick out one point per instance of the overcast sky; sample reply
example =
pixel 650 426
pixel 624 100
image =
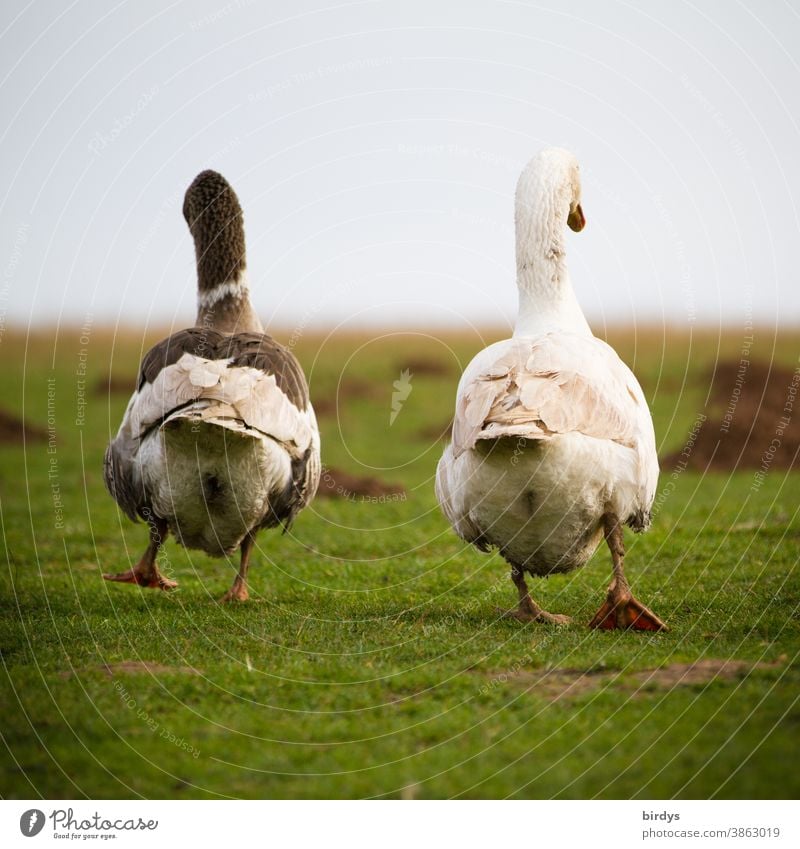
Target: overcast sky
pixel 375 147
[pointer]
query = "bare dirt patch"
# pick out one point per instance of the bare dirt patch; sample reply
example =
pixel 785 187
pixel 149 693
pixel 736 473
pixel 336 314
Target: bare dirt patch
pixel 336 483
pixel 142 667
pixel 323 406
pixel 557 684
pixel 350 389
pixel 430 367
pixel 113 384
pixel 695 674
pixel 752 420
pixel 14 431
pixel 146 666
pixel 442 430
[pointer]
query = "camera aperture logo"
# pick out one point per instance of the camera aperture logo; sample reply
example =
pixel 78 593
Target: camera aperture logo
pixel 67 825
pixel 31 822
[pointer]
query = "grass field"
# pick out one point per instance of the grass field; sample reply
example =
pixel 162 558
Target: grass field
pixel 371 660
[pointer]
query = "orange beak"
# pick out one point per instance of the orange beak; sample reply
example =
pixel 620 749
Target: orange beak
pixel 575 219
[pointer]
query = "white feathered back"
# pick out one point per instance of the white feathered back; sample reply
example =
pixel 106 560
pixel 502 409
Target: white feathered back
pixel 556 384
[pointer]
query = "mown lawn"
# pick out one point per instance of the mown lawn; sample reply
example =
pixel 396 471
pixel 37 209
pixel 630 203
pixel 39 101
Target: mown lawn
pixel 372 660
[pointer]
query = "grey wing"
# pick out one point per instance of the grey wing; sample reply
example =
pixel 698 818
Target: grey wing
pixel 121 483
pixel 199 341
pixel 262 353
pixel 119 468
pixel 299 491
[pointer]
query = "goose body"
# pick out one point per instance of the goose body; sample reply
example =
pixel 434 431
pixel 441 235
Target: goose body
pixel 553 445
pixel 219 439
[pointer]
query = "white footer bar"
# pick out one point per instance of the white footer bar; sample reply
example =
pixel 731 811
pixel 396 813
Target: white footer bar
pixel 401 825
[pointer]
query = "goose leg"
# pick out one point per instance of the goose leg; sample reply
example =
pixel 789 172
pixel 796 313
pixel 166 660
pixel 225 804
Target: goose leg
pixel 145 573
pixel 621 609
pixel 238 591
pixel 528 610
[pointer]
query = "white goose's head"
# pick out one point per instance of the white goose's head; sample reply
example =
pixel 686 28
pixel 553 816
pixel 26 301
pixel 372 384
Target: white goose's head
pixel 548 199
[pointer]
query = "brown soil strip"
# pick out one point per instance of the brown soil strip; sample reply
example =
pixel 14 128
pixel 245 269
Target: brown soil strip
pixel 136 667
pixel 558 684
pixel 435 368
pixel 113 385
pixel 336 483
pixel 14 431
pixel 323 406
pixel 753 421
pixel 145 666
pixel 436 431
pixel 352 388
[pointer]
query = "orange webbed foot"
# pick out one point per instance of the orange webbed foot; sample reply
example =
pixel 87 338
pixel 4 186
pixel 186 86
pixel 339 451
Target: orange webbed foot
pixel 626 612
pixel 142 579
pixel 525 613
pixel 238 592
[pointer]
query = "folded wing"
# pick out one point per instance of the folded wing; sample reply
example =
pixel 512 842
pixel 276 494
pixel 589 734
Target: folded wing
pixel 246 382
pixel 556 384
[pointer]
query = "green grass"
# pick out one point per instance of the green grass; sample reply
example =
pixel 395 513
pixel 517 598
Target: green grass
pixel 371 661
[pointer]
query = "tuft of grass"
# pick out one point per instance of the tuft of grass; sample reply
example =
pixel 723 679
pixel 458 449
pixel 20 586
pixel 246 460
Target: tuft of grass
pixel 372 661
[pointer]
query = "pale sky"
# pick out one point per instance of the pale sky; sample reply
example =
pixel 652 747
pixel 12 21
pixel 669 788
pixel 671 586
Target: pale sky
pixel 375 148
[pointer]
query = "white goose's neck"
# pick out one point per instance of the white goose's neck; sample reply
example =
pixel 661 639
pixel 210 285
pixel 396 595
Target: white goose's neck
pixel 546 298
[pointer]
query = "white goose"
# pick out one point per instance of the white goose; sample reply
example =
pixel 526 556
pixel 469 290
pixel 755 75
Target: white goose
pixel 219 439
pixel 553 444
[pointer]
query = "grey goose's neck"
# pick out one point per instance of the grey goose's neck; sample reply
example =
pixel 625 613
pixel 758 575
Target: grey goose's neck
pixel 215 220
pixel 227 308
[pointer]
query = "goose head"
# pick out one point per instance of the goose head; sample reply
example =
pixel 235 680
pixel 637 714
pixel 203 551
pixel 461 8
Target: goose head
pixel 215 220
pixel 548 198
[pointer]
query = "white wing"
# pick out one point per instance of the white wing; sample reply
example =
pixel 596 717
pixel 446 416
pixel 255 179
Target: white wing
pixel 556 384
